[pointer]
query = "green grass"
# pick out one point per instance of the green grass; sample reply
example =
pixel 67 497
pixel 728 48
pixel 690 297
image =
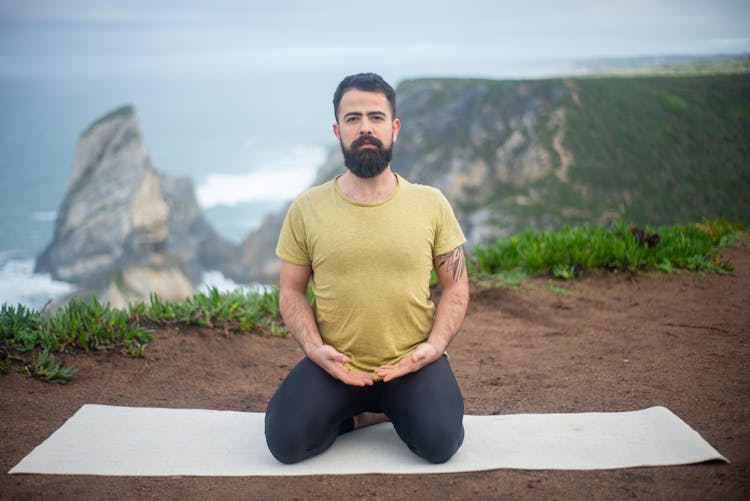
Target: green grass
pixel 557 290
pixel 572 251
pixel 30 338
pixel 236 311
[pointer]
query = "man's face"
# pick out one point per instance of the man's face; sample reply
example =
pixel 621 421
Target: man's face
pixel 366 131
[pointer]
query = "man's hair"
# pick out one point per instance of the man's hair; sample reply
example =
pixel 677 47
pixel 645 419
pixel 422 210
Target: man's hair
pixel 369 82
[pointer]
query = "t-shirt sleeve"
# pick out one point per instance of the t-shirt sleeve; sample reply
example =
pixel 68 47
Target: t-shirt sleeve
pixel 448 233
pixel 292 244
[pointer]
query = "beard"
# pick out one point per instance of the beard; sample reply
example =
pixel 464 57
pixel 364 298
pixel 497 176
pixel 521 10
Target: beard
pixel 367 163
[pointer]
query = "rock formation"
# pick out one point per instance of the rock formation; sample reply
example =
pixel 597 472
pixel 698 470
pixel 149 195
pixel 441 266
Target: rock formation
pixel 509 155
pixel 123 229
pixel 468 138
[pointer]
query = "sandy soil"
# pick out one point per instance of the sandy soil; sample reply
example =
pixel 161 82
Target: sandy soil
pixel 615 343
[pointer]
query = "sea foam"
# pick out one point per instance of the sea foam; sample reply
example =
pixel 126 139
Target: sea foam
pixel 19 284
pixel 281 179
pixel 216 279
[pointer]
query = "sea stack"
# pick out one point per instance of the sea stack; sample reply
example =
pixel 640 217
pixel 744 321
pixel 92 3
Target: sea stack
pixel 125 230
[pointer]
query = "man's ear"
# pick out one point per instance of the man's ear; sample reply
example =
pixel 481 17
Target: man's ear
pixel 396 128
pixel 336 131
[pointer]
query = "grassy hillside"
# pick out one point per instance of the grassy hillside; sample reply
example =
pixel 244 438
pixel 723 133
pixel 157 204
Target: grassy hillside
pixel 514 155
pixel 660 150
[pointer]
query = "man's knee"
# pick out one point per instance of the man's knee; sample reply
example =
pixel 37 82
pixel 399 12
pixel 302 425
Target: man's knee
pixel 437 441
pixel 286 443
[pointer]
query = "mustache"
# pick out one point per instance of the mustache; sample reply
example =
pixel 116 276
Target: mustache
pixel 365 140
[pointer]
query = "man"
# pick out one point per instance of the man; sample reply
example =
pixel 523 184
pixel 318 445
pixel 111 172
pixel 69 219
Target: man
pixel 373 341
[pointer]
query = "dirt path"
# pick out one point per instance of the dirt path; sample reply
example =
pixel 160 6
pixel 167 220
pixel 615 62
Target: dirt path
pixel 614 343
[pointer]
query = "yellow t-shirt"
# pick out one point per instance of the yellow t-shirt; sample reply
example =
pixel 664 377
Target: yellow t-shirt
pixel 371 266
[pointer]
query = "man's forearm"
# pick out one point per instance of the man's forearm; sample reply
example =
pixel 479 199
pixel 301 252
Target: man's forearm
pixel 450 314
pixel 300 320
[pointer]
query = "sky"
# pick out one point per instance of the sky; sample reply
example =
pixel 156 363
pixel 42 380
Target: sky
pixel 224 39
pixel 196 69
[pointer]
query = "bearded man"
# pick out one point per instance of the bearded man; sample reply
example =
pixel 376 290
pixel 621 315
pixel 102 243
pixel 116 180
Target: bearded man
pixel 374 342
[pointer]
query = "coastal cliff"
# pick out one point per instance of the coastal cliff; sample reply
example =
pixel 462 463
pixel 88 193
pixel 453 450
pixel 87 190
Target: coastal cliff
pixel 508 155
pixel 540 154
pixel 125 230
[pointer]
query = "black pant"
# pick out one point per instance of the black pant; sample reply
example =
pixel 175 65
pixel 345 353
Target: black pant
pixel 311 408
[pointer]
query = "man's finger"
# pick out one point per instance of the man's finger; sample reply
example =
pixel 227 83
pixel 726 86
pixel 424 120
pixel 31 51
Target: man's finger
pixel 395 374
pixel 345 375
pixel 348 378
pixel 384 369
pixel 398 370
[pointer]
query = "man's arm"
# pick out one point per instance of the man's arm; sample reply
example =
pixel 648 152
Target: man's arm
pixel 454 301
pixel 300 320
pixel 454 281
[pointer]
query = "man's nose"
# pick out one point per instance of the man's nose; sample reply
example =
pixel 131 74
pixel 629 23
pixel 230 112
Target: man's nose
pixel 365 127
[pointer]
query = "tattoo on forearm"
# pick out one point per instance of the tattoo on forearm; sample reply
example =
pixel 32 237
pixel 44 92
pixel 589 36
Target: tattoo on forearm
pixel 454 262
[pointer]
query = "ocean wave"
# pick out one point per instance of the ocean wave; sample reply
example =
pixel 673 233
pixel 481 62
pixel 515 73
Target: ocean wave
pixel 223 284
pixel 281 179
pixel 19 284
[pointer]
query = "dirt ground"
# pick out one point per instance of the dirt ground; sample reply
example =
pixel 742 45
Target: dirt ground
pixel 614 343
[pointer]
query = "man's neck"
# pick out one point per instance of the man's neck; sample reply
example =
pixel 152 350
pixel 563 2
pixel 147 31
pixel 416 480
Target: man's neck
pixel 368 190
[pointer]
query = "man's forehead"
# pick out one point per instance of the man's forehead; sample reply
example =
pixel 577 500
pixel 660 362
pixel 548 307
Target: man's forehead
pixel 360 101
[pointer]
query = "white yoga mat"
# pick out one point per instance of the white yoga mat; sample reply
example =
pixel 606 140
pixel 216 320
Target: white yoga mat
pixel 107 440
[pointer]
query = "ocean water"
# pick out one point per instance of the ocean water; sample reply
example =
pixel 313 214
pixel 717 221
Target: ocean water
pixel 247 157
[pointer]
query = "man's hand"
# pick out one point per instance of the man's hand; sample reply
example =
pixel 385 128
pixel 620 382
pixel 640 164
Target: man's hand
pixel 333 363
pixel 425 353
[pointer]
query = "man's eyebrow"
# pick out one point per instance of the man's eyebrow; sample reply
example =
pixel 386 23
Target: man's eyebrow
pixel 369 113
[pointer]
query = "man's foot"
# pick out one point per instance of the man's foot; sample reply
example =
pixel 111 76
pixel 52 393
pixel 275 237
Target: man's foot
pixel 369 419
